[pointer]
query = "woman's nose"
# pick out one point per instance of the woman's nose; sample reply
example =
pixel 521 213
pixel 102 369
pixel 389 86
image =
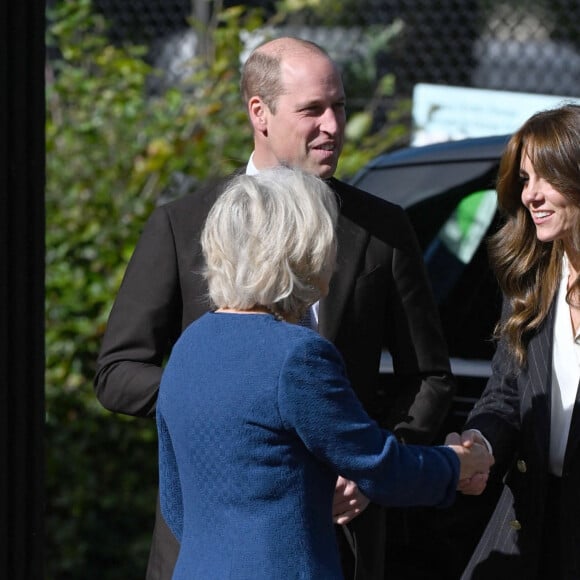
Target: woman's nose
pixel 530 191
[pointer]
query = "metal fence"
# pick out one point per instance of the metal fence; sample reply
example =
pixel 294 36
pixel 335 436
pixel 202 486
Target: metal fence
pixel 519 45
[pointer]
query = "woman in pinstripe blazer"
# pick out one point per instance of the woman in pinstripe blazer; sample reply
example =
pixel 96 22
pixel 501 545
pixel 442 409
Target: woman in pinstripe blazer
pixel 530 410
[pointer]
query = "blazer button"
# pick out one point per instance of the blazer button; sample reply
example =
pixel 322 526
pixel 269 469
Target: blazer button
pixel 515 524
pixel 521 465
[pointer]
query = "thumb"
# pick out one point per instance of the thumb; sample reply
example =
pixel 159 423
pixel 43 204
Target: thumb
pixel 468 438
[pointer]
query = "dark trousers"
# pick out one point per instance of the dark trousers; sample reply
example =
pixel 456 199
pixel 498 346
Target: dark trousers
pixel 164 550
pixel 368 535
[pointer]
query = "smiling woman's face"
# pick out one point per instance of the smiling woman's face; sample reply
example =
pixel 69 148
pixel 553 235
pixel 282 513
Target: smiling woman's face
pixel 554 215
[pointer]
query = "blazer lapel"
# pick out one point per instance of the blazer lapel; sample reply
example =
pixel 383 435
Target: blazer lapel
pixel 572 450
pixel 540 384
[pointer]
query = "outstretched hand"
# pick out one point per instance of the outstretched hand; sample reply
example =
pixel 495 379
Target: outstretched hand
pixel 348 502
pixel 475 460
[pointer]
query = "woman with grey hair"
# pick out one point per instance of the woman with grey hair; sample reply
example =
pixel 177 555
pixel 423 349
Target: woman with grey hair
pixel 270 241
pixel 256 417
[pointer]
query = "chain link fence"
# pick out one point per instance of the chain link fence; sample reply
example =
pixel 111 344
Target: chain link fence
pixel 518 45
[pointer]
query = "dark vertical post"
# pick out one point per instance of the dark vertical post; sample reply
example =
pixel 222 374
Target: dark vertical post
pixel 22 227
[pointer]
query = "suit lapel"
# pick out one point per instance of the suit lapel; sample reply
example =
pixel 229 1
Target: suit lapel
pixel 351 244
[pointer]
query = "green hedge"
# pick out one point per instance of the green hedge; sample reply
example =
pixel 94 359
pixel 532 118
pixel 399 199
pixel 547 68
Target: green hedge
pixel 112 151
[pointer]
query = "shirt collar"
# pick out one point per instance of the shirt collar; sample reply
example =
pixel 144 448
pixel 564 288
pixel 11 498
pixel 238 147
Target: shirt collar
pixel 562 304
pixel 251 169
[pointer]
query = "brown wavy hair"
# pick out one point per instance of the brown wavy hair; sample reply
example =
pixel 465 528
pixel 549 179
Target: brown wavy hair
pixel 528 270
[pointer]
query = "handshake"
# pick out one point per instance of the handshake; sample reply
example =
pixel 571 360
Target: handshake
pixel 475 460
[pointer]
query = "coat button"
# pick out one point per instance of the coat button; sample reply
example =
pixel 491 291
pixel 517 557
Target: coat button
pixel 521 465
pixel 515 524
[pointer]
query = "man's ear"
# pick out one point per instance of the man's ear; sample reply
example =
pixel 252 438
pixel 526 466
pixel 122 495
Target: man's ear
pixel 258 112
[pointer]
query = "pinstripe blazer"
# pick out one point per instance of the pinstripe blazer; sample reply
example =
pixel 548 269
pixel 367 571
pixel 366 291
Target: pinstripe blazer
pixel 514 414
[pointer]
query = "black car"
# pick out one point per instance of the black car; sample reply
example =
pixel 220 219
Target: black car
pixel 447 189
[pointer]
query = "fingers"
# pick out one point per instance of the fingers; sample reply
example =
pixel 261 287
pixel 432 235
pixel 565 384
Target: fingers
pixel 346 517
pixel 342 505
pixel 344 496
pixel 467 438
pixel 474 485
pixel 344 485
pixel 453 439
pixel 479 460
pixel 471 437
pixel 473 460
pixel 350 512
pixel 341 483
pixel 348 501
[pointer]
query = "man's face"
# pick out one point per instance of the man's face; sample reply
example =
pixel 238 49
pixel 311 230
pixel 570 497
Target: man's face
pixel 307 129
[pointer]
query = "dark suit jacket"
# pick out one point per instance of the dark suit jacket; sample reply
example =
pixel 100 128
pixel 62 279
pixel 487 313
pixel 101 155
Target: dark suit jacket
pixel 514 415
pixel 379 296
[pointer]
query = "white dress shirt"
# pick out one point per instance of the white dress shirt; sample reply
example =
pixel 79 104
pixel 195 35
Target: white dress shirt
pixel 565 375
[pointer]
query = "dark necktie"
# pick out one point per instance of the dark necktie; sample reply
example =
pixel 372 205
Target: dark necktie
pixel 306 320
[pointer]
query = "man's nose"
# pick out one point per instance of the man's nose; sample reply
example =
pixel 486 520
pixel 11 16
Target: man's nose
pixel 329 122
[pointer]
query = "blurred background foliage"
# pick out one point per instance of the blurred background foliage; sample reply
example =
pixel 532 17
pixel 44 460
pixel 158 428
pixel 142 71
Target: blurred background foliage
pixel 115 149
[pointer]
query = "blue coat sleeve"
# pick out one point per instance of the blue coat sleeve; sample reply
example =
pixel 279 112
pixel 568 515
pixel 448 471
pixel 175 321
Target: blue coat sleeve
pixel 317 401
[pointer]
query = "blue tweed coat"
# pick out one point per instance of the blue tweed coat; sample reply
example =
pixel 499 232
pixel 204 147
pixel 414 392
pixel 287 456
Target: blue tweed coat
pixel 256 418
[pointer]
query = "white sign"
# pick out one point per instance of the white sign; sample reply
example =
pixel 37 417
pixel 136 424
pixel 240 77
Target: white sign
pixel 443 113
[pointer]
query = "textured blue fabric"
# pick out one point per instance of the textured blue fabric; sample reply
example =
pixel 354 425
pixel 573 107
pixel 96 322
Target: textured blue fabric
pixel 255 420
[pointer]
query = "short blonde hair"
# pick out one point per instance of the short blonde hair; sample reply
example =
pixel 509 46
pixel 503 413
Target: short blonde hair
pixel 268 239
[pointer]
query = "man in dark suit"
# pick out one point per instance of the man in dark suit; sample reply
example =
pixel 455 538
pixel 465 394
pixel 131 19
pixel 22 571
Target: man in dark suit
pixel 379 295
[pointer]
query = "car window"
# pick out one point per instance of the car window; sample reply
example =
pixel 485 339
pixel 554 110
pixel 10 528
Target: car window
pixel 464 230
pixel 458 239
pixel 452 230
